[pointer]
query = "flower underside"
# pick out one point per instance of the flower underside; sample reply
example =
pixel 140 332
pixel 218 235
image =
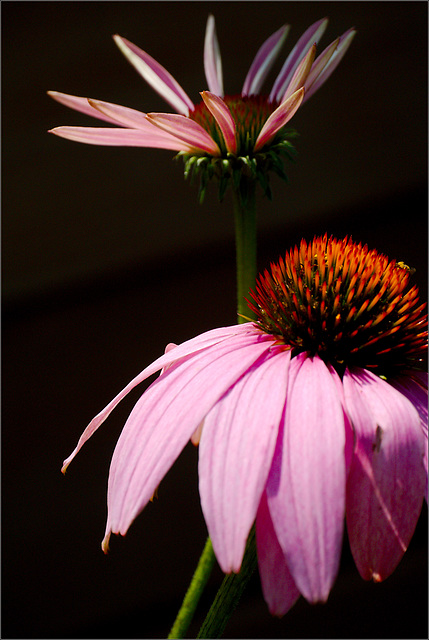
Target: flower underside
pixel 349 305
pixel 249 114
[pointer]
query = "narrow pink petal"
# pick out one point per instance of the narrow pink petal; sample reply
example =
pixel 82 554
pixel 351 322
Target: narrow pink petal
pixel 310 36
pixel 165 417
pixel 121 137
pixel 212 59
pixel 263 61
pixel 155 75
pixel 386 481
pixel 185 129
pixel 279 118
pixel 302 71
pixel 320 63
pixel 121 115
pixel 278 586
pixel 307 483
pixel 343 45
pixel 221 113
pixel 186 349
pixel 236 450
pixel 80 104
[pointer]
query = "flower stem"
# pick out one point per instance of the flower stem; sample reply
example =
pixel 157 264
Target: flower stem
pixel 230 593
pixel 193 594
pixel 245 243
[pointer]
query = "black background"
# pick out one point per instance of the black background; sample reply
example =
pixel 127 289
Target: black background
pixel 107 256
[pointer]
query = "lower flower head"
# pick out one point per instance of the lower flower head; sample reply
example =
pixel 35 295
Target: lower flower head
pixel 349 305
pixel 314 415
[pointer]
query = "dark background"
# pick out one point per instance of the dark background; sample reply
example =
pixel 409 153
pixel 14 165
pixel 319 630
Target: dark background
pixel 107 256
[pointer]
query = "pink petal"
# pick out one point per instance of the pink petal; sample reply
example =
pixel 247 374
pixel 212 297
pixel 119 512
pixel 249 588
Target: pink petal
pixel 155 75
pixel 80 104
pixel 311 35
pixel 306 486
pixel 185 129
pixel 302 71
pixel 279 118
pixel 320 63
pixel 221 113
pixel 121 137
pixel 263 61
pixel 186 349
pixel 164 419
pixel 236 450
pixel 343 45
pixel 386 481
pixel 212 59
pixel 278 586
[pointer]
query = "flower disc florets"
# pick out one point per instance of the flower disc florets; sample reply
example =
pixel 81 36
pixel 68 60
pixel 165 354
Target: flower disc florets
pixel 346 303
pixel 250 114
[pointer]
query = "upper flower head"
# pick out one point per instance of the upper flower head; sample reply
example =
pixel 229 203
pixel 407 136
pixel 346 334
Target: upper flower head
pixel 315 413
pixel 221 135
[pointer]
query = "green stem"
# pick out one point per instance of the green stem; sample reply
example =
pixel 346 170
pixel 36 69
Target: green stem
pixel 233 584
pixel 230 593
pixel 245 243
pixel 193 594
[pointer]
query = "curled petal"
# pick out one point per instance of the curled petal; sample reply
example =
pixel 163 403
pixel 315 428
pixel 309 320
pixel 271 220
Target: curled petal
pixel 320 63
pixel 343 44
pixel 386 481
pixel 164 419
pixel 221 113
pixel 212 59
pixel 263 61
pixel 185 129
pixel 80 104
pixel 155 75
pixel 278 586
pixel 236 450
pixel 300 76
pixel 121 137
pixel 311 35
pixel 307 483
pixel 186 349
pixel 279 118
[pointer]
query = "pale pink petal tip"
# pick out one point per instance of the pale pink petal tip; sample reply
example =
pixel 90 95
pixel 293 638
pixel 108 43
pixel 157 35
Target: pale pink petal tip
pixel 212 59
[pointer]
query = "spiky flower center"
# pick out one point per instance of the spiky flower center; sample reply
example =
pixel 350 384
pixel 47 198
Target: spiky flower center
pixel 346 303
pixel 249 113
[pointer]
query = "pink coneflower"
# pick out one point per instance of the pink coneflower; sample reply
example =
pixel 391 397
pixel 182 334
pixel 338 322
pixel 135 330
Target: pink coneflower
pixel 314 413
pixel 221 135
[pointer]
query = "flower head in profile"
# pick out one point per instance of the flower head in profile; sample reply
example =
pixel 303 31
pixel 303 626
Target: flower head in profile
pixel 223 136
pixel 314 413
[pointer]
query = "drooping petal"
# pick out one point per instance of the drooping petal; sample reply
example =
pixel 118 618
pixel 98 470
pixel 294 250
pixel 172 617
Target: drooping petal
pixel 121 137
pixel 279 118
pixel 306 486
pixel 80 104
pixel 221 113
pixel 212 59
pixel 343 45
pixel 155 75
pixel 302 71
pixel 185 129
pixel 164 419
pixel 386 481
pixel 310 36
pixel 417 393
pixel 263 61
pixel 236 450
pixel 278 586
pixel 186 349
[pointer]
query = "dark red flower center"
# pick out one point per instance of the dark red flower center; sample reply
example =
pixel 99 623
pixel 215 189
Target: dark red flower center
pixel 346 303
pixel 249 113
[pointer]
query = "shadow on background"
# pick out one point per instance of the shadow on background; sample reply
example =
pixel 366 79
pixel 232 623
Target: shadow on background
pixel 107 256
